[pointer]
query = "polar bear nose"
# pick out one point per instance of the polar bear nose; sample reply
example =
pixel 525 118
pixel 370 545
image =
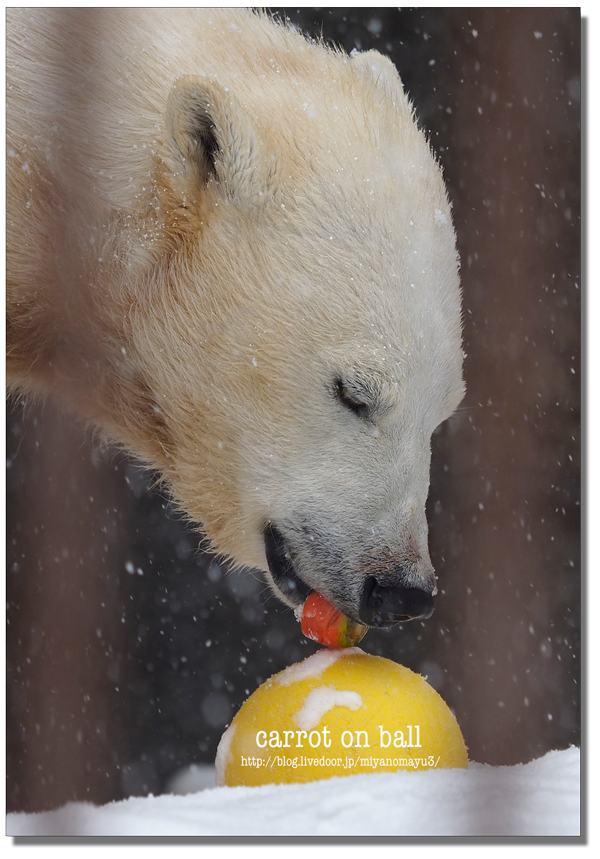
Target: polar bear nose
pixel 386 605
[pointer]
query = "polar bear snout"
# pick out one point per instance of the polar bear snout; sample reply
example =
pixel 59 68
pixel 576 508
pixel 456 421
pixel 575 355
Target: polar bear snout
pixel 377 590
pixel 387 605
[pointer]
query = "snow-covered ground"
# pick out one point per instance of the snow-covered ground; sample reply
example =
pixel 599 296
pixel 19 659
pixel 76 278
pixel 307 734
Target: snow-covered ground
pixel 538 798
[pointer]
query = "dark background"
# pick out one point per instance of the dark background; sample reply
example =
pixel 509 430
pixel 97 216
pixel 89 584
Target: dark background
pixel 129 650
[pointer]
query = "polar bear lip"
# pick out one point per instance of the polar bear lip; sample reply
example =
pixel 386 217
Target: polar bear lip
pixel 285 578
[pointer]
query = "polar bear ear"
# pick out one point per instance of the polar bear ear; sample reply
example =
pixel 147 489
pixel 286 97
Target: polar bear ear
pixel 211 138
pixel 382 72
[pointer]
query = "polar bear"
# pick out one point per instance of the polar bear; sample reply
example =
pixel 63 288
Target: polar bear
pixel 230 248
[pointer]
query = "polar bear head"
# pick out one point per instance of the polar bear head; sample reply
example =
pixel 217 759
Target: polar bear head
pixel 308 340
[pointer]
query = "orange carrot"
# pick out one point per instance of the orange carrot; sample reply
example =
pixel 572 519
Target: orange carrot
pixel 324 623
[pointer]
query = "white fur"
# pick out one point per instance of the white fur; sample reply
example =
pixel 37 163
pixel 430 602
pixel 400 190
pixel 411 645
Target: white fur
pixel 199 311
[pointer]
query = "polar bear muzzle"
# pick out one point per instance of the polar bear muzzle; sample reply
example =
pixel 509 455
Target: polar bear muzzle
pixel 379 605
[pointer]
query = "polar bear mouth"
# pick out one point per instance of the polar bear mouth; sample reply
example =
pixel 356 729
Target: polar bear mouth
pixel 383 601
pixel 281 566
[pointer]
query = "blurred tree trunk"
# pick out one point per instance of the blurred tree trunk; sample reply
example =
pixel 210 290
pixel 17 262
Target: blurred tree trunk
pixel 64 557
pixel 513 457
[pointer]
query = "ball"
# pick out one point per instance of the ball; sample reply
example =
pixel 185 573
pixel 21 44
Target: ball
pixel 337 713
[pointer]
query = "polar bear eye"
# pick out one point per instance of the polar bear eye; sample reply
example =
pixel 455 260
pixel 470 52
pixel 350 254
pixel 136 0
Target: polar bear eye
pixel 351 399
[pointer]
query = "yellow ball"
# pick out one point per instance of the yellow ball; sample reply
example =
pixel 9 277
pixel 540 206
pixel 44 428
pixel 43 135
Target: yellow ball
pixel 337 713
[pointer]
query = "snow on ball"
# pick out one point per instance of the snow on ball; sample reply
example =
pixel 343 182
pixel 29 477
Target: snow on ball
pixel 337 713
